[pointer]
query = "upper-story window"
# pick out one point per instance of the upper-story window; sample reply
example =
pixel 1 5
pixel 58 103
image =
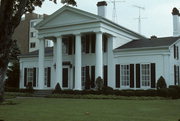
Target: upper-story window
pixel 32 45
pixel 65 47
pixel 176 52
pixel 84 44
pixel 33 23
pixel 33 34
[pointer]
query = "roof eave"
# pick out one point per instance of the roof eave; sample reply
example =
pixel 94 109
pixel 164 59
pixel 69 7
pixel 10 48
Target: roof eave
pixel 141 48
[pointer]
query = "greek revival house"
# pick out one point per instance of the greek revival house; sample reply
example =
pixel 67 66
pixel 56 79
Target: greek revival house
pixel 87 46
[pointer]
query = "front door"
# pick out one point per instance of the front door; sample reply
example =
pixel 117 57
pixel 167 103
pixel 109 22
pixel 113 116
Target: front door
pixel 65 78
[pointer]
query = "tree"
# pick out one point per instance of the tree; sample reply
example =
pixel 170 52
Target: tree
pixel 99 83
pixel 161 83
pixel 13 69
pixel 11 12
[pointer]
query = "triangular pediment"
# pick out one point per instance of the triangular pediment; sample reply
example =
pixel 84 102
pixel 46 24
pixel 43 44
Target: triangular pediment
pixel 67 16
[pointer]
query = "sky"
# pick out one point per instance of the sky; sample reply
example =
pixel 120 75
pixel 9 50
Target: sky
pixel 157 17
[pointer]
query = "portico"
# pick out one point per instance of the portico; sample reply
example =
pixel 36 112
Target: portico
pixel 58 58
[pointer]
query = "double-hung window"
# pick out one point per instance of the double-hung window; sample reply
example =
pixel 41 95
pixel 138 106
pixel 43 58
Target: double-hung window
pixel 83 77
pixel 30 75
pixel 145 75
pixel 45 76
pixel 125 75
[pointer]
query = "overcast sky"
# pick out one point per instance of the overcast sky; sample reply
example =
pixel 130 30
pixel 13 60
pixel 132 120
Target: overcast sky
pixel 157 14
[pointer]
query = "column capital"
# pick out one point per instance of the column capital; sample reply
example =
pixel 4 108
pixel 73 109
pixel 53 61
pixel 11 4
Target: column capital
pixel 41 37
pixel 58 36
pixel 77 33
pixel 101 32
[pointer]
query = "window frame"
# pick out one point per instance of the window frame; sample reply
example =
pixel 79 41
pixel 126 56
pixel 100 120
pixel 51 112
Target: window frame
pixel 33 24
pixel 146 81
pixel 45 76
pixel 33 34
pixel 83 77
pixel 125 75
pixel 30 75
pixel 65 45
pixel 32 45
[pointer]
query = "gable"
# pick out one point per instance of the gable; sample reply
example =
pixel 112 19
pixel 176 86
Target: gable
pixel 66 16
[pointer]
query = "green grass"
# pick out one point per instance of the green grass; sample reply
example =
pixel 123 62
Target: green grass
pixel 50 109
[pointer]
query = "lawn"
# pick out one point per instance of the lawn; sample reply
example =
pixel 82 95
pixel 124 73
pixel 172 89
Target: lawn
pixel 52 109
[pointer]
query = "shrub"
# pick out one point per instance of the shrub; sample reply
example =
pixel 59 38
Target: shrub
pixel 57 88
pixel 163 92
pixel 29 87
pixel 107 90
pixel 161 83
pixel 151 92
pixel 175 93
pixel 99 83
pixel 11 89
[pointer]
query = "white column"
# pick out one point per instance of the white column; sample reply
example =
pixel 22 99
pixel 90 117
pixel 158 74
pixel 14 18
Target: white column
pixel 41 64
pixel 99 55
pixel 111 66
pixel 54 62
pixel 59 61
pixel 78 84
pixel 21 77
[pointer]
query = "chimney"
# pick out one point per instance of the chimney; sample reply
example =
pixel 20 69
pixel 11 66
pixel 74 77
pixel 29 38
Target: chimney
pixel 153 37
pixel 176 24
pixel 102 8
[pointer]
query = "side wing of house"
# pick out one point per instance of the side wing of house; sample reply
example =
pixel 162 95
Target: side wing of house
pixel 174 64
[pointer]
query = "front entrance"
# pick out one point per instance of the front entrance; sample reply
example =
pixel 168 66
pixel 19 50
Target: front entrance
pixel 65 78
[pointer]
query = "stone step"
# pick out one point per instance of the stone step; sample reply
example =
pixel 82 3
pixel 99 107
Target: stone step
pixel 42 93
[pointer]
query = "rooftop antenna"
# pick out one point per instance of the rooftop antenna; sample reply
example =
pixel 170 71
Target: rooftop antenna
pixel 139 18
pixel 114 14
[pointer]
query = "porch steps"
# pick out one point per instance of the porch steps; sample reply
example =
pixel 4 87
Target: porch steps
pixel 42 93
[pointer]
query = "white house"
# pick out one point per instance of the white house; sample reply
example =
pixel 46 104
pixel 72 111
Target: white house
pixel 88 45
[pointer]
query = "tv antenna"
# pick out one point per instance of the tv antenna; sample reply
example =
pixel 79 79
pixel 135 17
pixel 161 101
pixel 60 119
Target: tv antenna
pixel 114 14
pixel 139 18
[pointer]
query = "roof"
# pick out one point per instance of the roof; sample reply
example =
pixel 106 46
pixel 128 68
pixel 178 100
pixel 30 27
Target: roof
pixel 149 43
pixel 97 17
pixel 48 51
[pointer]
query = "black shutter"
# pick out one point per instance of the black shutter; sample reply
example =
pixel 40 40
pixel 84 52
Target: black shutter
pixel 25 77
pixel 92 76
pixel 174 74
pixel 178 74
pixel 87 72
pixel 132 75
pixel 137 75
pixel 74 43
pixel 174 51
pixel 49 77
pixel 87 43
pixel 177 51
pixel 105 70
pixel 34 77
pixel 93 43
pixel 70 39
pixel 153 75
pixel 117 76
pixel 73 77
pixel 87 83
